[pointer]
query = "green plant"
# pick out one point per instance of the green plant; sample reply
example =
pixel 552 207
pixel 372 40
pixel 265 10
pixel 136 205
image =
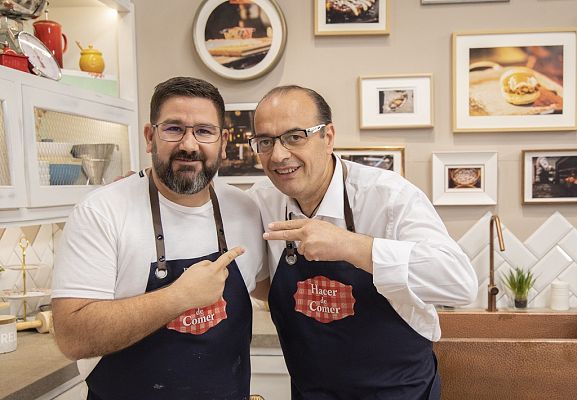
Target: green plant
pixel 519 282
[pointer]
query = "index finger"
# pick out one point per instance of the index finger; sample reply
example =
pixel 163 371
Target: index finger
pixel 287 225
pixel 229 256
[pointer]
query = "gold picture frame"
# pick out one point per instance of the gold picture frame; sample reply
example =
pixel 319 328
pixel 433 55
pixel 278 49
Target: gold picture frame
pixel 350 20
pixel 390 158
pixel 514 81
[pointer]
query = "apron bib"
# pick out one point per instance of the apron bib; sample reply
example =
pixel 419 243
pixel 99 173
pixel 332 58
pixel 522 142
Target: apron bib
pixel 202 354
pixel 341 339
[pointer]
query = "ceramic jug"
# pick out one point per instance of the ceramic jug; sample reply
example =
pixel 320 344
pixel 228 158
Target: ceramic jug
pixel 50 33
pixel 91 59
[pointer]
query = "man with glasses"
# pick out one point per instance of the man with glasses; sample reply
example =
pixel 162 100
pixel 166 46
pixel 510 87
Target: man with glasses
pixel 146 293
pixel 358 257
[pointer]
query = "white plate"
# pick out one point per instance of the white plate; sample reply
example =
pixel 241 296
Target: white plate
pixel 39 56
pixel 16 294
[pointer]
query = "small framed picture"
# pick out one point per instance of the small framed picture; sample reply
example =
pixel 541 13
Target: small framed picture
pixel 464 178
pixel 239 39
pixel 514 81
pixel 396 101
pixel 384 157
pixel 461 1
pixel 241 164
pixel 351 17
pixel 550 176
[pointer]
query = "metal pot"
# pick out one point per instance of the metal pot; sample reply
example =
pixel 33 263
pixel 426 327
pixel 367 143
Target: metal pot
pixel 22 9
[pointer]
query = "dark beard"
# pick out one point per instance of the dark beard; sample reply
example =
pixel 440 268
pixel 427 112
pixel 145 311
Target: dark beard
pixel 178 181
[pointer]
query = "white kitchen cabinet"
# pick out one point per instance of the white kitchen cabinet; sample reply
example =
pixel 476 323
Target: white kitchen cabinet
pixel 41 119
pixel 269 375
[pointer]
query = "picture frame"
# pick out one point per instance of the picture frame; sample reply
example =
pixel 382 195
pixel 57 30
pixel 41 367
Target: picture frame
pixel 549 176
pixel 464 178
pixel 514 81
pixel 244 51
pixel 351 19
pixel 461 1
pixel 241 165
pixel 396 101
pixel 390 158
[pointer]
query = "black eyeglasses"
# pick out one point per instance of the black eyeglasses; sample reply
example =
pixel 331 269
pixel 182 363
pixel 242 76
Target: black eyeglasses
pixel 203 133
pixel 290 140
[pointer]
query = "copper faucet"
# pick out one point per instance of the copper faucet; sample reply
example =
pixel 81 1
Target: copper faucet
pixel 492 289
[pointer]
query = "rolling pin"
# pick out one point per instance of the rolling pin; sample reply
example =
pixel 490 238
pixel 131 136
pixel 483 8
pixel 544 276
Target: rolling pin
pixel 42 323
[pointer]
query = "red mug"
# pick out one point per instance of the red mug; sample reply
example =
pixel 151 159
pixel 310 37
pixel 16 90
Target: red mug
pixel 50 33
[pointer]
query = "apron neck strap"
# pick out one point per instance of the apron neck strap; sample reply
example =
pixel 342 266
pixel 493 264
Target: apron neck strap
pixel 349 220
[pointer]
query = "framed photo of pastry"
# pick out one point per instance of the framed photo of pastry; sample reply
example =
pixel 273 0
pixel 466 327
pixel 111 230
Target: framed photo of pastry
pixel 239 39
pixel 384 157
pixel 549 176
pixel 396 101
pixel 464 178
pixel 351 17
pixel 514 81
pixel 241 164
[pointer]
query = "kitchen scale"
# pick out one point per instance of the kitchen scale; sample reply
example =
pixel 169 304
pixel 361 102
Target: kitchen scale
pixel 12 13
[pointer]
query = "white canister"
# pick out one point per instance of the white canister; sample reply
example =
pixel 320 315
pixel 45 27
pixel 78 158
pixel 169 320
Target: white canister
pixel 7 333
pixel 559 295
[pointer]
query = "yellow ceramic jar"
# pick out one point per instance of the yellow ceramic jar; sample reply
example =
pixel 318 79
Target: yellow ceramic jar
pixel 91 60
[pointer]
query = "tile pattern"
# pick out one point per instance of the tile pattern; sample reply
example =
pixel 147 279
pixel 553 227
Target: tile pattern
pixel 550 253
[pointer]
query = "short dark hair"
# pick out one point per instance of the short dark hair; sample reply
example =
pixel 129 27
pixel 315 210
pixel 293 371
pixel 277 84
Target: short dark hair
pixel 324 113
pixel 187 87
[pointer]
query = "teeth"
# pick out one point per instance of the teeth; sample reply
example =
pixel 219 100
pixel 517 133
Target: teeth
pixel 286 171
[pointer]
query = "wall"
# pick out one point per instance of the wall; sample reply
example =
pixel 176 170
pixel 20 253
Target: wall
pixel 419 42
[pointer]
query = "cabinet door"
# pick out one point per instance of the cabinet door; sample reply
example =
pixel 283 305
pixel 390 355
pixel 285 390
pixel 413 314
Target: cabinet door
pixel 12 184
pixel 73 145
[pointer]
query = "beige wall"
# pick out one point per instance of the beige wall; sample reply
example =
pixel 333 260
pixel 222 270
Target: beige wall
pixel 419 42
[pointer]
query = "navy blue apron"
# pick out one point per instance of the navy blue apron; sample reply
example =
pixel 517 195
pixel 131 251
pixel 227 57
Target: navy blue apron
pixel 172 365
pixel 346 342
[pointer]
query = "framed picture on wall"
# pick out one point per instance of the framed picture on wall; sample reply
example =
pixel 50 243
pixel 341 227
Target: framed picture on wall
pixel 550 176
pixel 351 17
pixel 396 101
pixel 241 164
pixel 239 39
pixel 464 178
pixel 384 157
pixel 461 1
pixel 514 81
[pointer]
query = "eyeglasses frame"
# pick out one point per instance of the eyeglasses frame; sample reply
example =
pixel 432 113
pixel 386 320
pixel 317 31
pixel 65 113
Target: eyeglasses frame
pixel 155 126
pixel 307 131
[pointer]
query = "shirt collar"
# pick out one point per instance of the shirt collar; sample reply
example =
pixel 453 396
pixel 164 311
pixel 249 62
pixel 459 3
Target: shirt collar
pixel 332 204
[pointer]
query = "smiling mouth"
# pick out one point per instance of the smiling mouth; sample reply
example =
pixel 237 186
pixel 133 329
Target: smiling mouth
pixel 286 171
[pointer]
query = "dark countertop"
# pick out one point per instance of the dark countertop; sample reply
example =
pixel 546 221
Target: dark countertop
pixel 37 366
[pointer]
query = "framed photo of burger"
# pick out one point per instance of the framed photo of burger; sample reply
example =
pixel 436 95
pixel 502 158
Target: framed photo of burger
pixel 549 176
pixel 514 81
pixel 396 101
pixel 464 178
pixel 351 17
pixel 383 157
pixel 239 39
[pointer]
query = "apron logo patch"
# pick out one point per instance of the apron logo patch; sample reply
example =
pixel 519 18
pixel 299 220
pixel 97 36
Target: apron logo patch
pixel 199 320
pixel 324 300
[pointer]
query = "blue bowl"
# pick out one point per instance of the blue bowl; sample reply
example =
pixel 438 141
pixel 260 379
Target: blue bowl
pixel 64 174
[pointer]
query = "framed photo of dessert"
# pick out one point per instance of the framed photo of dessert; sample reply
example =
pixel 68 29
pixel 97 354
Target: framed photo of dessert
pixel 549 176
pixel 396 101
pixel 239 39
pixel 384 157
pixel 515 81
pixel 464 178
pixel 351 17
pixel 241 164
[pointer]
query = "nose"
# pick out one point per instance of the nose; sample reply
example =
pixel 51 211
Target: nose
pixel 279 153
pixel 188 141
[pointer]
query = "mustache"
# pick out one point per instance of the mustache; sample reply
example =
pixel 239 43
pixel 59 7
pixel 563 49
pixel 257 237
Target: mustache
pixel 185 156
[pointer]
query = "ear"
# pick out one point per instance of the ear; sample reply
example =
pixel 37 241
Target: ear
pixel 148 133
pixel 224 137
pixel 329 137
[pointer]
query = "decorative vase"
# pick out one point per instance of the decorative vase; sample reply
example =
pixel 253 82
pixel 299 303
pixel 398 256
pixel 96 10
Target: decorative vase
pixel 520 303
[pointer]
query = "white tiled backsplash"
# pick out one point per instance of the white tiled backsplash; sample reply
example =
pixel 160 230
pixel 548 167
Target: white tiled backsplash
pixel 550 253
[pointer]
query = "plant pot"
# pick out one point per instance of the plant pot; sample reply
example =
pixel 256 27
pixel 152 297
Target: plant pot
pixel 520 303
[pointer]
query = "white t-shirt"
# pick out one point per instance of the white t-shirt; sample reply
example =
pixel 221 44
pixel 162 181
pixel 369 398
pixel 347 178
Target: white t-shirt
pixel 416 264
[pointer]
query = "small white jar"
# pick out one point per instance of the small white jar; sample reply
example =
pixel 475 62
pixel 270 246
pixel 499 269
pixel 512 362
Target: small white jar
pixel 7 333
pixel 559 295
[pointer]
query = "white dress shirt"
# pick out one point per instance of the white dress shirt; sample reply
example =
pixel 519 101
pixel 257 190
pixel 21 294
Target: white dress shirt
pixel 416 264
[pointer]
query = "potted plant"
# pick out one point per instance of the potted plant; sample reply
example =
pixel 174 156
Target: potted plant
pixel 519 282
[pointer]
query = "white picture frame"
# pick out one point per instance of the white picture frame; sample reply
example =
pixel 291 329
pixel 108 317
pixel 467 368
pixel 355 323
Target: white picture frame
pixel 371 20
pixel 559 168
pixel 390 158
pixel 464 178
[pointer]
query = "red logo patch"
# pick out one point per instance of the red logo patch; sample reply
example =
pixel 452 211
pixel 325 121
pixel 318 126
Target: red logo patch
pixel 199 320
pixel 324 300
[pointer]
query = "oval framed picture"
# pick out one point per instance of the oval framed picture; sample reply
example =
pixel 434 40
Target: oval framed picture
pixel 239 39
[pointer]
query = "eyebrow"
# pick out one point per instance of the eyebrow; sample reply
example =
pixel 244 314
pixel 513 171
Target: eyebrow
pixel 287 131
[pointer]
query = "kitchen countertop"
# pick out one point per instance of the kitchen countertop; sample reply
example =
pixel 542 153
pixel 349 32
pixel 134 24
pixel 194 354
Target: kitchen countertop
pixel 37 366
